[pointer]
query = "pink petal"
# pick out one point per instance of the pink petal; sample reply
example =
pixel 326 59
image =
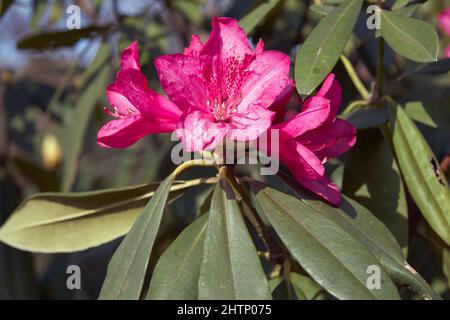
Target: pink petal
pixel 331 89
pixel 259 47
pixel 198 131
pixel 130 93
pixel 281 102
pixel 444 20
pixel 316 111
pixel 249 126
pixel 182 80
pixel 330 141
pixel 294 153
pixel 227 39
pixel 308 171
pixel 122 133
pixel 194 47
pixel 267 78
pixel 130 57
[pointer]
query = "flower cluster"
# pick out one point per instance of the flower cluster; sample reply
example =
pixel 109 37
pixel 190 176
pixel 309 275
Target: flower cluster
pixel 225 89
pixel 444 24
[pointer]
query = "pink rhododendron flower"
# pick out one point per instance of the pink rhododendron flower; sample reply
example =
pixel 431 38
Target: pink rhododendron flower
pixel 223 87
pixel 444 20
pixel 313 136
pixel 139 110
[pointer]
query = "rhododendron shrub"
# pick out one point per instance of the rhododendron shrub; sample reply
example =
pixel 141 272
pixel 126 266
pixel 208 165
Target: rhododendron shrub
pixel 299 171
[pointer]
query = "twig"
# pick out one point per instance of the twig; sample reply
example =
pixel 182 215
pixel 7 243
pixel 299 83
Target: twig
pixel 355 78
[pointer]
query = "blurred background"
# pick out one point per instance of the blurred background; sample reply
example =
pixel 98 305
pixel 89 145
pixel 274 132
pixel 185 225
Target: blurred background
pixel 52 95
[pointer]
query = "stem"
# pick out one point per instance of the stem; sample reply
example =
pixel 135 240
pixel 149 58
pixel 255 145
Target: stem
pixel 193 163
pixel 353 106
pixel 380 72
pixel 275 251
pixel 355 78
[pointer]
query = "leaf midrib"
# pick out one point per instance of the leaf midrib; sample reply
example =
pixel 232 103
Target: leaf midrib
pixel 325 39
pixel 421 173
pixel 323 245
pixel 185 259
pixel 406 35
pixel 141 237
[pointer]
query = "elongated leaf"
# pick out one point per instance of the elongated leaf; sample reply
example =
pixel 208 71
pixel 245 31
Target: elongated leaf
pixel 367 118
pixel 323 247
pixel 373 179
pixel 77 120
pixel 128 266
pixel 305 287
pixel 257 15
pixel 176 274
pixel 364 227
pixel 57 39
pixel 400 4
pixel 408 11
pixel 433 115
pixel 413 39
pixel 434 68
pixel 322 9
pixel 67 222
pixel 421 172
pixel 230 267
pixel 321 50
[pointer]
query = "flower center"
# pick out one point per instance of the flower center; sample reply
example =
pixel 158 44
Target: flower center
pixel 222 107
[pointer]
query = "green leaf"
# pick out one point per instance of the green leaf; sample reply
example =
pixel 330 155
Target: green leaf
pixel 363 226
pixel 230 267
pixel 413 39
pixel 57 39
pixel 274 283
pixel 366 118
pixel 373 179
pixel 176 274
pixel 322 9
pixel 67 222
pixel 421 172
pixel 76 121
pixel 400 4
pixel 408 11
pixel 305 287
pixel 320 52
pixel 323 247
pixel 257 15
pixel 128 266
pixel 433 115
pixel 431 69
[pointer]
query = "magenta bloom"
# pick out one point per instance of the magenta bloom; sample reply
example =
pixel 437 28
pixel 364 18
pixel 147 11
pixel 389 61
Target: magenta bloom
pixel 444 20
pixel 139 110
pixel 314 136
pixel 223 87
